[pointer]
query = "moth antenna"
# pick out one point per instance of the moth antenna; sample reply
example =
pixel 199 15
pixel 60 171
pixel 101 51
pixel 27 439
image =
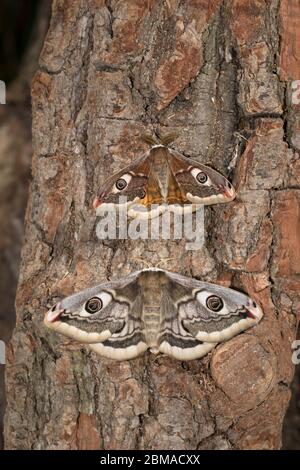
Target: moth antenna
pixel 168 138
pixel 149 139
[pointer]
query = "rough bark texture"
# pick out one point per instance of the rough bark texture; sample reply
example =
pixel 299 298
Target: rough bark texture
pixel 213 71
pixel 15 160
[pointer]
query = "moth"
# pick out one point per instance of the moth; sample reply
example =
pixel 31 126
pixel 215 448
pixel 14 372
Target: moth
pixel 154 309
pixel 163 179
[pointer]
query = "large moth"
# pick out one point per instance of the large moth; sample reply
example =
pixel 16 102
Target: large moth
pixel 157 310
pixel 163 179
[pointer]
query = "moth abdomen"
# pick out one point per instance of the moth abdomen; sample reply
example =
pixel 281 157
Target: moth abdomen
pixel 151 319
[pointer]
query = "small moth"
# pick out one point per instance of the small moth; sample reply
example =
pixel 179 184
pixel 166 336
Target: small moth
pixel 157 310
pixel 166 178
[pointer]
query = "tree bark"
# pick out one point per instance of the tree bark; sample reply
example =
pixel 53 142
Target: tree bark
pixel 15 160
pixel 220 74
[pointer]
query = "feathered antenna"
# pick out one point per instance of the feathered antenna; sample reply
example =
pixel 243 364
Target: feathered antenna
pixel 158 139
pixel 168 138
pixel 149 139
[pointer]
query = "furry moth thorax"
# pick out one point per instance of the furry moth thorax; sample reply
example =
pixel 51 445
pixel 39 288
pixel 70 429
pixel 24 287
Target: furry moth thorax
pixel 157 310
pixel 163 176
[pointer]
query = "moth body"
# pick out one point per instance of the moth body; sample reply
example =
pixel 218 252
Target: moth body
pixel 159 162
pixel 151 284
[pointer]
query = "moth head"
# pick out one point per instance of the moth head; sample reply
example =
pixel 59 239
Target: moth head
pixel 209 186
pixel 83 317
pixel 123 189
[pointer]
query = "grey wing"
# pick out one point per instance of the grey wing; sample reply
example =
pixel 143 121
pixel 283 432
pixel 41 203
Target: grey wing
pixel 107 317
pixel 174 339
pixel 207 312
pixel 127 343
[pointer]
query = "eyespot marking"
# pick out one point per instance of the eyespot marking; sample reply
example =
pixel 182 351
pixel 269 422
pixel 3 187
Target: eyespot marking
pixel 93 305
pixel 214 303
pixel 122 182
pixel 200 176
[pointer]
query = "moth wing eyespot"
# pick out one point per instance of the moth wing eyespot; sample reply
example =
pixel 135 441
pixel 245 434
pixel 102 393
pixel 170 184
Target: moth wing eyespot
pixel 201 177
pixel 142 194
pixel 121 184
pixel 123 181
pixel 214 303
pixel 93 305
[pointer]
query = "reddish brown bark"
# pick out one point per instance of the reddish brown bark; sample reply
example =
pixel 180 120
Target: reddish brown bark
pixel 110 71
